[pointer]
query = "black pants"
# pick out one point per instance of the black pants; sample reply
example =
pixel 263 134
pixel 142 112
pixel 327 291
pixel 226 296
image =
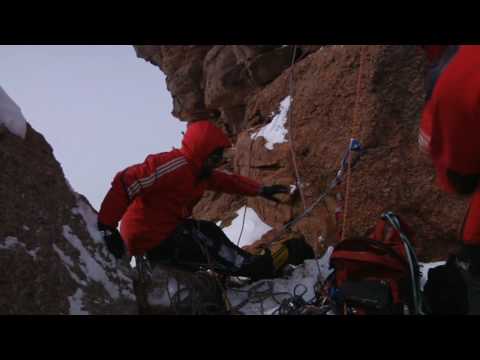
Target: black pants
pixel 196 244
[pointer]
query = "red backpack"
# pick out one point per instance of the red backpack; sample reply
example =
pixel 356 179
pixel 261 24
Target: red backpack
pixel 375 274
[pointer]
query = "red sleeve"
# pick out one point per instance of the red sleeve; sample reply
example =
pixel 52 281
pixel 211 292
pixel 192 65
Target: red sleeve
pixel 135 181
pixel 115 203
pixel 233 184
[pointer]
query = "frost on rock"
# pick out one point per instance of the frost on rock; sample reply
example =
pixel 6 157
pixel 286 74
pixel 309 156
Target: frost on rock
pixel 69 264
pixel 12 242
pixel 253 228
pixel 76 303
pixel 89 217
pixel 89 265
pixel 94 268
pixel 11 115
pixel 100 254
pixel 275 132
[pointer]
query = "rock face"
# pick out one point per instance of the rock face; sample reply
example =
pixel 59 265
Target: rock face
pixel 52 259
pixel 248 83
pixel 220 76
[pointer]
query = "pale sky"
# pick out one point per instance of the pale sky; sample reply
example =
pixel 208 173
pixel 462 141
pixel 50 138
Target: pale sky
pixel 99 106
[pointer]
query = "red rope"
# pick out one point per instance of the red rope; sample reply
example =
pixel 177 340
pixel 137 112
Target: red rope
pixel 355 127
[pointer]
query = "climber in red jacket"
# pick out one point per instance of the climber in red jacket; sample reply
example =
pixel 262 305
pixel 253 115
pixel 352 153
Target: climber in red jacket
pixel 449 133
pixel 154 201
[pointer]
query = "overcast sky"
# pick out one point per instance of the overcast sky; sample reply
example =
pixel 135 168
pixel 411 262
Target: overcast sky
pixel 99 106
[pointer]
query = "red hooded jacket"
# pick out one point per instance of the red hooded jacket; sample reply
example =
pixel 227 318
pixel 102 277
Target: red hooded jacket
pixel 152 198
pixel 451 118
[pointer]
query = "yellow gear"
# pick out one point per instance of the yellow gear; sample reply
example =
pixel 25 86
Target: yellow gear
pixel 279 255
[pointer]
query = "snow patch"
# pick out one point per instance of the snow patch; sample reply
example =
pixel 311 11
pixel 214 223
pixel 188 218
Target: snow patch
pixel 90 217
pixel 89 265
pixel 424 268
pixel 275 132
pixel 11 115
pixel 67 260
pixel 12 242
pixel 26 228
pixel 70 187
pixel 101 255
pixel 76 303
pixel 301 282
pixel 33 253
pixel 253 229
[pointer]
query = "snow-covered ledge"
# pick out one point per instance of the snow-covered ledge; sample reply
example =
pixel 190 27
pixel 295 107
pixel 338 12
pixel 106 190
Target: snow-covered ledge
pixel 11 115
pixel 275 132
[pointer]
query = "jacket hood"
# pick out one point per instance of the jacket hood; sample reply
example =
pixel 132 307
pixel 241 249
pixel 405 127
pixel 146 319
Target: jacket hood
pixel 201 139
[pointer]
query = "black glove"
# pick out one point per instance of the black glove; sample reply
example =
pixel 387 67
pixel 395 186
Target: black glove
pixel 268 192
pixel 113 240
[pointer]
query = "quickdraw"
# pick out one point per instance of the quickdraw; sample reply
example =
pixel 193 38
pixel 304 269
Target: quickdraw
pixel 354 147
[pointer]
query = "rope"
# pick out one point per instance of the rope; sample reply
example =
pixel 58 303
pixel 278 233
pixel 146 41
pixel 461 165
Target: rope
pixel 291 90
pixel 253 294
pixel 246 205
pixel 210 263
pixel 292 304
pixel 257 296
pixel 196 295
pixel 355 127
pixel 354 147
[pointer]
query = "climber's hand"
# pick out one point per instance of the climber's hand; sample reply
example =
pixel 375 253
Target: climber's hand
pixel 269 192
pixel 113 240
